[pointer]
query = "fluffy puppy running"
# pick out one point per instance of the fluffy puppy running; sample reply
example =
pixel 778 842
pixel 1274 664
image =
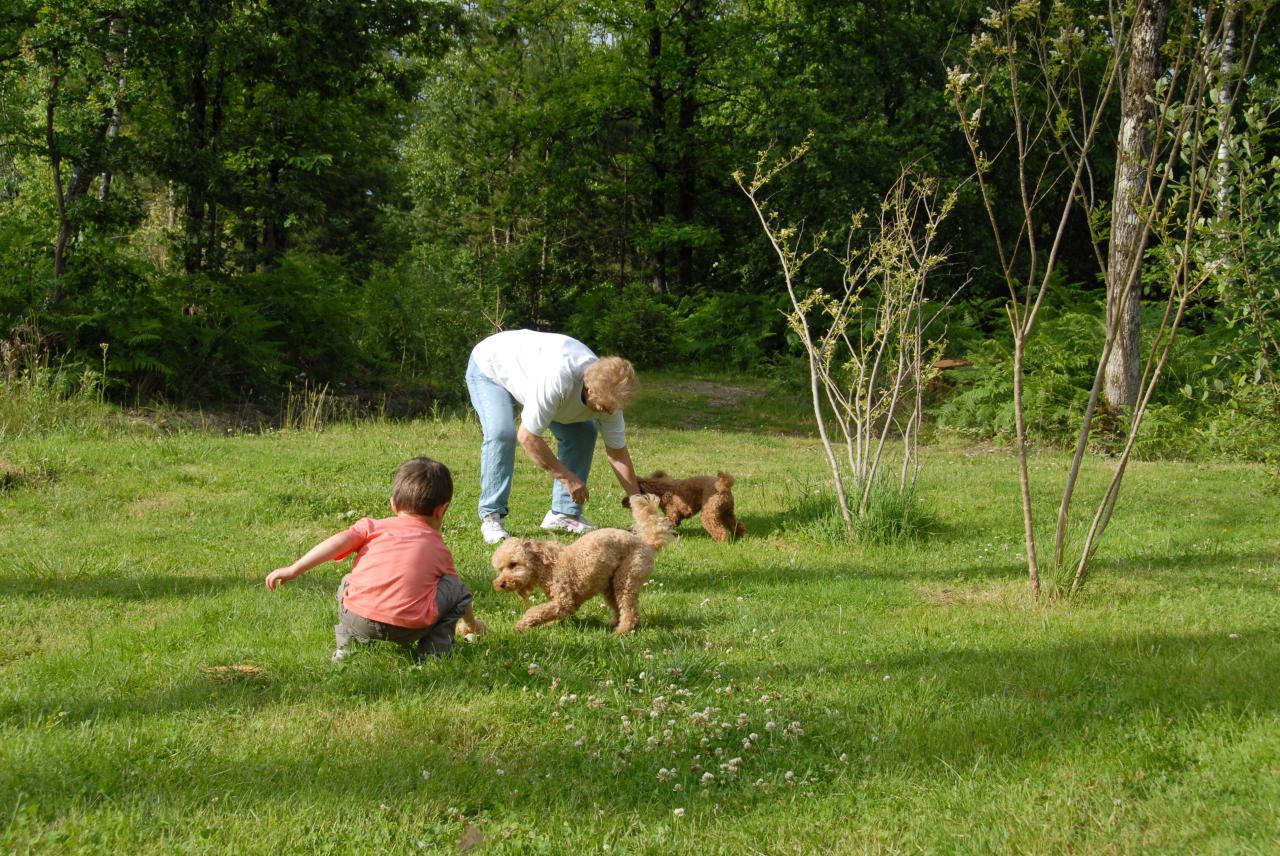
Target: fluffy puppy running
pixel 612 563
pixel 683 498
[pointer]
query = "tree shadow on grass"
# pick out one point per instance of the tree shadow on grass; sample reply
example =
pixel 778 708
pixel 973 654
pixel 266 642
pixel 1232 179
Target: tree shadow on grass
pixel 127 586
pixel 1026 700
pixel 1172 568
pixel 995 706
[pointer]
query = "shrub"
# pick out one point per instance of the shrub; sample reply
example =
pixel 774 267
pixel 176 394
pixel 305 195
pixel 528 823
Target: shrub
pixel 635 324
pixel 422 318
pixel 730 329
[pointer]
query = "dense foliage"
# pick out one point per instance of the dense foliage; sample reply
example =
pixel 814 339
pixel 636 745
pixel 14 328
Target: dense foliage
pixel 213 200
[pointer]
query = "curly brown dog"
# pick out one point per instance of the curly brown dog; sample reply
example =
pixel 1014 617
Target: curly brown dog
pixel 683 498
pixel 612 563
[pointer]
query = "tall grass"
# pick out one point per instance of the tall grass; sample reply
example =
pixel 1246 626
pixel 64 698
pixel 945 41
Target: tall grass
pixel 892 517
pixel 38 398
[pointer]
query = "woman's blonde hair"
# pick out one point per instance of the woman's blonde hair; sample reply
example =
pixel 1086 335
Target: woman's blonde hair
pixel 612 382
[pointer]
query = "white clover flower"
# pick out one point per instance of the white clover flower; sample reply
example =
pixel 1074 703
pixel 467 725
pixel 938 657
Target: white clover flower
pixel 679 812
pixel 707 778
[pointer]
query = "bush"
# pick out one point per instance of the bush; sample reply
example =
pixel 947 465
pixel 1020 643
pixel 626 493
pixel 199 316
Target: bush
pixel 635 324
pixel 422 318
pixel 732 330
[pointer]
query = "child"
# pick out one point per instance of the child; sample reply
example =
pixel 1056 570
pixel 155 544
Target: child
pixel 403 587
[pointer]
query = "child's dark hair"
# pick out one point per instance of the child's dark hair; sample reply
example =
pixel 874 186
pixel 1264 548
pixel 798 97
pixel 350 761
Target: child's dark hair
pixel 421 486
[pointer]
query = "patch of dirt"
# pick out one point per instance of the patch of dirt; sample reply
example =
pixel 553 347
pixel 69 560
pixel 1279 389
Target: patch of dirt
pixel 235 672
pixel 716 392
pixel 991 594
pixel 252 417
pixel 13 476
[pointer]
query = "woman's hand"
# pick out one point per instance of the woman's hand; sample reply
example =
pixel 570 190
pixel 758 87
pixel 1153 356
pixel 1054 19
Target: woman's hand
pixel 577 489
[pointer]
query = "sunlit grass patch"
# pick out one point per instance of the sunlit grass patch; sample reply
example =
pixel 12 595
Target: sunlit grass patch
pixel 794 691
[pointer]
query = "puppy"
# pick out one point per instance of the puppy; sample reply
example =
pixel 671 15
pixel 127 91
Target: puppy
pixel 612 563
pixel 683 498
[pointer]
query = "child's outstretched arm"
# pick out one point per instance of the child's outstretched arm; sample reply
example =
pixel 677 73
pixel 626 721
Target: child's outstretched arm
pixel 330 548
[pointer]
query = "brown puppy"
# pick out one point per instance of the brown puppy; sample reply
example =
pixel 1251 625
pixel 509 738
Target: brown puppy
pixel 612 563
pixel 683 498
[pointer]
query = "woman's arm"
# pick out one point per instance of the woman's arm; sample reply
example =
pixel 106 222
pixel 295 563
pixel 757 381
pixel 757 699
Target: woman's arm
pixel 623 469
pixel 545 458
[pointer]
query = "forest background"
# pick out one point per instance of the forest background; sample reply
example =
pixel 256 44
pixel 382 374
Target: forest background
pixel 212 202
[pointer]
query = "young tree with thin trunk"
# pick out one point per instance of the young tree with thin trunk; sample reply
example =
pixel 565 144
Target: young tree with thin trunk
pixel 1034 70
pixel 867 343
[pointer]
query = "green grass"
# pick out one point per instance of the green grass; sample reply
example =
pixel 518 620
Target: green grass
pixel 919 702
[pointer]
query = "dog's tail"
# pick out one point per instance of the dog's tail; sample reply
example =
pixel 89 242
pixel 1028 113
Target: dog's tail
pixel 651 526
pixel 724 481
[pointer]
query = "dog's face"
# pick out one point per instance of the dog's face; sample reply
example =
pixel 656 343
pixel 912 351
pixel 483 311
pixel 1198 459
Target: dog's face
pixel 511 561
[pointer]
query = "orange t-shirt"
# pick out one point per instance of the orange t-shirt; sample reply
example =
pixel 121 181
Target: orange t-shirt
pixel 399 560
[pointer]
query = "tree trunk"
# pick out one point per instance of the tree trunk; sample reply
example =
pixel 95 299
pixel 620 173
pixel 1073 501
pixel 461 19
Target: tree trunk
pixel 114 61
pixel 1124 255
pixel 686 170
pixel 55 163
pixel 193 219
pixel 657 134
pixel 1226 95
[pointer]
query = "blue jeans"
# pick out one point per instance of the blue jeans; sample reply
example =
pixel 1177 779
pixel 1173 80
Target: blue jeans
pixel 575 446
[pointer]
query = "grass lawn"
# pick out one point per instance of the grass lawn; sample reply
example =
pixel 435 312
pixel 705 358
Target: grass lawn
pixel 785 694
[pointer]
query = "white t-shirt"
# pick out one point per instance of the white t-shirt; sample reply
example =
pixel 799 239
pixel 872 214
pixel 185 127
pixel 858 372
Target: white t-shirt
pixel 543 371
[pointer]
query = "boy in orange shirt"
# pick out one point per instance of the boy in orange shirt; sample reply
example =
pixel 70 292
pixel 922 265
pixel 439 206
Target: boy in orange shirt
pixel 403 587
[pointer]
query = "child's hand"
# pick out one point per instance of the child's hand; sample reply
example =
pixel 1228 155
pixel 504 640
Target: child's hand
pixel 280 576
pixel 466 628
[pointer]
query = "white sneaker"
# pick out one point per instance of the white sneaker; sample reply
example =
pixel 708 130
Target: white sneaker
pixel 341 654
pixel 558 522
pixel 492 530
